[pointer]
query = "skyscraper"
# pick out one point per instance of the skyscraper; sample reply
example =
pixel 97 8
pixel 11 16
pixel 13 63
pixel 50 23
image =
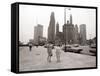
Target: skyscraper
pixel 38 32
pixel 51 29
pixel 68 31
pixel 83 34
pixel 59 35
pixel 76 34
pixel 57 28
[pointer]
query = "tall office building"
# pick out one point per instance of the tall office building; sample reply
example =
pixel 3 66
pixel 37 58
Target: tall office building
pixel 59 35
pixel 83 34
pixel 69 32
pixel 38 33
pixel 51 29
pixel 57 28
pixel 76 34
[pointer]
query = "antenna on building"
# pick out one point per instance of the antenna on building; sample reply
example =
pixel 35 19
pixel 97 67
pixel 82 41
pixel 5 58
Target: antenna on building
pixel 64 15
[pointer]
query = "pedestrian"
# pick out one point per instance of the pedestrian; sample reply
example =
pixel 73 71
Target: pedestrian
pixel 49 51
pixel 58 52
pixel 30 46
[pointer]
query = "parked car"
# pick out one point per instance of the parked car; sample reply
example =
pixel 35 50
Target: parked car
pixel 93 51
pixel 93 46
pixel 76 45
pixel 66 48
pixel 75 50
pixel 45 46
pixel 69 48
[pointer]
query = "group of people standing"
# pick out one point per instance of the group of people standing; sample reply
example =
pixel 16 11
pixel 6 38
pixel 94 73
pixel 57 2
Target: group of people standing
pixel 50 47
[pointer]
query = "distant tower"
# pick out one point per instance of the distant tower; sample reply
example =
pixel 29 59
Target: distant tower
pixel 83 34
pixel 64 15
pixel 57 28
pixel 70 19
pixel 38 32
pixel 51 29
pixel 76 34
pixel 69 32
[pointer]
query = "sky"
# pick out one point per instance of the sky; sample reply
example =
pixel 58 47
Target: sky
pixel 31 15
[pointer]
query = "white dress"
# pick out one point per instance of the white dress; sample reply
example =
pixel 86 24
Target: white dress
pixel 57 48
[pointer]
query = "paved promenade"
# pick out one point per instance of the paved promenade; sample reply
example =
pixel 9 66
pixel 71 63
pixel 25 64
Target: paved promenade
pixel 37 60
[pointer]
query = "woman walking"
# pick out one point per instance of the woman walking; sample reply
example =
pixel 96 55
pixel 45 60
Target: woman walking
pixel 30 46
pixel 49 51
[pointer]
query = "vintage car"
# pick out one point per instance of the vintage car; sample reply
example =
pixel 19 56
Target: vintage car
pixel 69 48
pixel 93 46
pixel 76 45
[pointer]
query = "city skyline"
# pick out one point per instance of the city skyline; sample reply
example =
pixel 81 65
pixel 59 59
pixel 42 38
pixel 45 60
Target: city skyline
pixel 30 16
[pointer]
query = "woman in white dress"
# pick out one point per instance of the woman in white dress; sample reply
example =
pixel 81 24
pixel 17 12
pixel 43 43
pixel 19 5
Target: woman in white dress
pixel 58 52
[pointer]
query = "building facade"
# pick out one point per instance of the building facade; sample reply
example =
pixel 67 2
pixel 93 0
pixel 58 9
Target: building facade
pixel 83 34
pixel 51 29
pixel 69 32
pixel 59 35
pixel 57 28
pixel 38 33
pixel 76 34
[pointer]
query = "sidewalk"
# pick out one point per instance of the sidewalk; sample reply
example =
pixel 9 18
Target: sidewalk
pixel 37 60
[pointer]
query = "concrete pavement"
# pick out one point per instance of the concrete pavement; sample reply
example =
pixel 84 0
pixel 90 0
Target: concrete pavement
pixel 37 60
